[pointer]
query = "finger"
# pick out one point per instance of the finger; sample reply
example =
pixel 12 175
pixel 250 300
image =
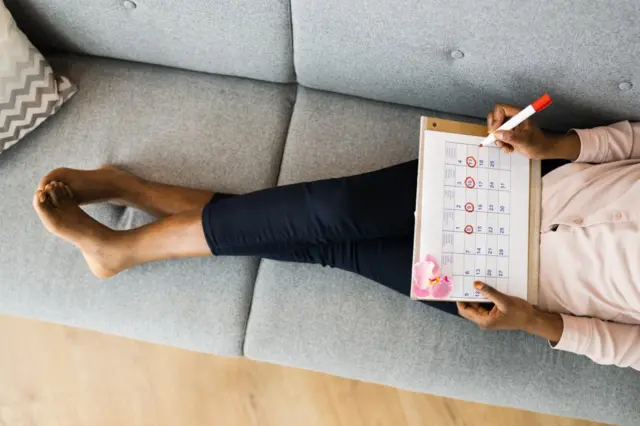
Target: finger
pixel 467 311
pixel 498 117
pixel 504 135
pixel 480 319
pixel 477 307
pixel 464 306
pixel 508 110
pixel 507 148
pixel 490 121
pixel 475 313
pixel 525 125
pixel 481 308
pixel 510 137
pixel 501 300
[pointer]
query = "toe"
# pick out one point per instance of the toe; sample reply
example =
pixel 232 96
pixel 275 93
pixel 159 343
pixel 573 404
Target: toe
pixel 42 201
pixel 54 194
pixel 41 196
pixel 60 194
pixel 38 198
pixel 68 191
pixel 65 191
pixel 56 174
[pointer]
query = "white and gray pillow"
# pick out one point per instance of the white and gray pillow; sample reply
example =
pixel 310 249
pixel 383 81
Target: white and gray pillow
pixel 29 90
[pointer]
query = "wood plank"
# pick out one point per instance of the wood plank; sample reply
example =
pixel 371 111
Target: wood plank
pixel 51 375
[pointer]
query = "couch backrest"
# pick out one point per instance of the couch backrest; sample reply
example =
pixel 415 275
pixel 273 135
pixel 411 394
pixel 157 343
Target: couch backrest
pixel 452 56
pixel 462 56
pixel 248 38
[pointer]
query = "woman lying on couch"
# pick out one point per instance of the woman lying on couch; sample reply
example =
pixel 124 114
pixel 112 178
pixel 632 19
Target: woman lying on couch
pixel 589 252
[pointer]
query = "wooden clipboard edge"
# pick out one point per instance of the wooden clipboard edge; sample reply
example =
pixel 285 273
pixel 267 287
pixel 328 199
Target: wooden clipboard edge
pixel 418 213
pixel 535 198
pixel 450 126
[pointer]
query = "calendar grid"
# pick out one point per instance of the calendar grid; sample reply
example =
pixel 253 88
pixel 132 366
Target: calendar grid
pixel 448 159
pixel 476 216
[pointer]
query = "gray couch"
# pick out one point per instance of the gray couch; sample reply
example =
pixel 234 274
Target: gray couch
pixel 241 95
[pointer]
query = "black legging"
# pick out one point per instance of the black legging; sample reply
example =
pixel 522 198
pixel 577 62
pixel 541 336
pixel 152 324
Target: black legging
pixel 362 224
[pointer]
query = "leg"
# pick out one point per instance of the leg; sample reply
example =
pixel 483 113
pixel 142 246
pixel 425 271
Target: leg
pixel 110 183
pixel 285 218
pixel 367 206
pixel 108 252
pixel 387 261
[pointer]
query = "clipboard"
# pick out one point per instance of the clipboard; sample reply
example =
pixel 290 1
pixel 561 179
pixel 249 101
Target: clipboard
pixel 535 196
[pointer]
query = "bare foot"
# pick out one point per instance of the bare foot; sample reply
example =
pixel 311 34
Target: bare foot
pixel 61 215
pixel 108 183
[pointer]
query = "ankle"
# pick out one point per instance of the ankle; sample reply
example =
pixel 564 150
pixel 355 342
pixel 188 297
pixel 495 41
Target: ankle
pixel 131 188
pixel 112 251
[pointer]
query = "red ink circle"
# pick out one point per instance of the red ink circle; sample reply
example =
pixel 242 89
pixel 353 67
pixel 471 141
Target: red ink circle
pixel 469 182
pixel 471 161
pixel 468 229
pixel 469 207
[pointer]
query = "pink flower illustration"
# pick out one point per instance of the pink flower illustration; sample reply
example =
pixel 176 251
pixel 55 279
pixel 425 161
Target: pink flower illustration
pixel 427 281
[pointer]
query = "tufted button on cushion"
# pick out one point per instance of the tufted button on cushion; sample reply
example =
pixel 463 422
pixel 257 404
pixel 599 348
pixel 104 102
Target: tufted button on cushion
pixel 457 54
pixel 625 85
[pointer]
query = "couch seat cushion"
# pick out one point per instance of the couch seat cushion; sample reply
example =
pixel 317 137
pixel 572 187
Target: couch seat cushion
pixel 222 133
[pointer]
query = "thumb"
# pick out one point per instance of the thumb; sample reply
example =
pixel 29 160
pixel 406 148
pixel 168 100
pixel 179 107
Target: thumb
pixel 510 137
pixel 501 300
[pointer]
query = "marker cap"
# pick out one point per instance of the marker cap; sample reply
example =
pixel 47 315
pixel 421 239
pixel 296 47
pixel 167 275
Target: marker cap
pixel 543 102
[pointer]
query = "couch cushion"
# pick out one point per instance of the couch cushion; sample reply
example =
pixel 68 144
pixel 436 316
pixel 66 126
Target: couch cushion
pixel 333 321
pixel 463 56
pixel 246 38
pixel 172 126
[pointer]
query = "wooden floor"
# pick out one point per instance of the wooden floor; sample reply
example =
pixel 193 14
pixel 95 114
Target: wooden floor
pixel 53 375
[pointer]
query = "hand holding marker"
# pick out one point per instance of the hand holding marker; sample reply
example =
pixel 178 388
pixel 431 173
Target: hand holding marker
pixel 540 104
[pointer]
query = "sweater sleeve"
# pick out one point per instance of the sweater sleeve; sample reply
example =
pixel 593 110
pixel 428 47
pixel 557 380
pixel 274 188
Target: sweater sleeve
pixel 620 141
pixel 603 341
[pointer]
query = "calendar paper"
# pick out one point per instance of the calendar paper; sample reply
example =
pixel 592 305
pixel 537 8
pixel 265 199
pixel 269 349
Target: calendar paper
pixel 473 217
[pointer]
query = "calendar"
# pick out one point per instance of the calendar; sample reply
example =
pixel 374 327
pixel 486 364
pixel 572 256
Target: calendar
pixel 473 216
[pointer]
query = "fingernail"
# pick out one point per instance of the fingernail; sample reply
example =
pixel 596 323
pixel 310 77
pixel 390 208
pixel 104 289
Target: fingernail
pixel 478 285
pixel 498 134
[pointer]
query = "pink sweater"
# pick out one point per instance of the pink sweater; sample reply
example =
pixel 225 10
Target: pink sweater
pixel 590 264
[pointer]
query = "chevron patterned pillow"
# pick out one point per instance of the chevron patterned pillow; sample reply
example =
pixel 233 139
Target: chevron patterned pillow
pixel 29 90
